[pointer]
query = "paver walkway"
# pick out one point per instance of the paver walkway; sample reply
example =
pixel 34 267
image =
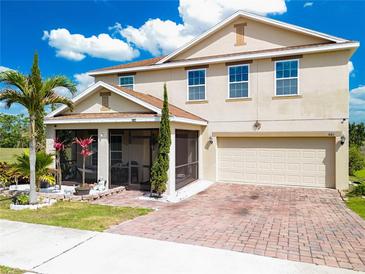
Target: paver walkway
pixel 299 224
pixel 130 198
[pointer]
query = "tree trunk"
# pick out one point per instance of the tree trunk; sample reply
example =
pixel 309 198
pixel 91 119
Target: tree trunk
pixel 32 161
pixel 59 171
pixel 83 171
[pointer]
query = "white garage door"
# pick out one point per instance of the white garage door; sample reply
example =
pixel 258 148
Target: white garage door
pixel 277 161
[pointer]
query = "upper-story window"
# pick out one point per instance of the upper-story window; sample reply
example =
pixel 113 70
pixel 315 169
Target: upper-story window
pixel 127 81
pixel 238 81
pixel 196 84
pixel 286 77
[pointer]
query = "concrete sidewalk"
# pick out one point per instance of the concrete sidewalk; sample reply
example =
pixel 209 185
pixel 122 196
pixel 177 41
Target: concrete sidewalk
pixel 47 249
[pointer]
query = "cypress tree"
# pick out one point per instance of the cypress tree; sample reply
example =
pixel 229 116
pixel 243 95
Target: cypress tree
pixel 160 166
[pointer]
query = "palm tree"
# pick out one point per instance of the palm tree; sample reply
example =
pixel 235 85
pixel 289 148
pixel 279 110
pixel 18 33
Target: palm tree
pixel 34 94
pixel 43 172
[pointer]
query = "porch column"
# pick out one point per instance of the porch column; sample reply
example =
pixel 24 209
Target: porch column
pixel 103 154
pixel 50 136
pixel 171 189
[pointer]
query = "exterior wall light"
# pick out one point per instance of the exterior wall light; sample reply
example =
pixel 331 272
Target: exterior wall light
pixel 343 139
pixel 210 140
pixel 257 125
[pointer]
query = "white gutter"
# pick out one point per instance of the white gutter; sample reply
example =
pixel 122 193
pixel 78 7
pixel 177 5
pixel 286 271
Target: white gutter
pixel 122 120
pixel 241 57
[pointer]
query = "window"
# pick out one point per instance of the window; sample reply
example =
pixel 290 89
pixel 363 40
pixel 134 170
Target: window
pixel 127 81
pixel 238 81
pixel 286 77
pixel 196 84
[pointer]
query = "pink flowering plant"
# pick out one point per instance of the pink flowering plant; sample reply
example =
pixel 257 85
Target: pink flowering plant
pixel 59 146
pixel 85 152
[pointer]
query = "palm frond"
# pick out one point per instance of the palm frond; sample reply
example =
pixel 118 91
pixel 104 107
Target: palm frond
pixel 48 178
pixel 15 78
pixel 54 98
pixel 43 161
pixel 11 96
pixel 55 82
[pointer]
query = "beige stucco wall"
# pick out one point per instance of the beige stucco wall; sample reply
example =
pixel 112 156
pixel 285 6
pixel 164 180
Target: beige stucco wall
pixel 258 36
pixel 117 103
pixel 319 109
pixel 323 88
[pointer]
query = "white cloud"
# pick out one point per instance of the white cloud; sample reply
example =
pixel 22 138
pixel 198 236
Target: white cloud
pixel 351 68
pixel 308 4
pixel 77 46
pixel 156 36
pixel 2 68
pixel 198 15
pixel 82 80
pixel 163 36
pixel 357 104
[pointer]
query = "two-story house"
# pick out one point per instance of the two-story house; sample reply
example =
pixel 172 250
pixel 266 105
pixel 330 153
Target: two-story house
pixel 252 100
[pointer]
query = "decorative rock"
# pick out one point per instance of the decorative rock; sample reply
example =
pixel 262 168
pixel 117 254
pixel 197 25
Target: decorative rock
pixel 36 206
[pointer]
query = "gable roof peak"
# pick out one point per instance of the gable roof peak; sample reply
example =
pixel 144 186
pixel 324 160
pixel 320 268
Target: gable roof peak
pixel 255 17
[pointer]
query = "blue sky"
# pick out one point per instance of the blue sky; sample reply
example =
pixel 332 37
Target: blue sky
pixel 73 37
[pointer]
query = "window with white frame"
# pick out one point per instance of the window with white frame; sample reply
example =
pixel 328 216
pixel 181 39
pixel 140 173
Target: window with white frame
pixel 126 81
pixel 238 81
pixel 286 77
pixel 196 84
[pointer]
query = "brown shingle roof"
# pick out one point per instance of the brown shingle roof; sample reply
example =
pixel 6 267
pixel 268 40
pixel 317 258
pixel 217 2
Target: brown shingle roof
pixel 102 115
pixel 153 61
pixel 156 102
pixel 145 62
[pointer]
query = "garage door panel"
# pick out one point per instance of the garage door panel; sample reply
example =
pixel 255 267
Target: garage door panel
pixel 284 161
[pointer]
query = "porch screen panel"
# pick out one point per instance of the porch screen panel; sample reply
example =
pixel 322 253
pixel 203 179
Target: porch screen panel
pixel 186 157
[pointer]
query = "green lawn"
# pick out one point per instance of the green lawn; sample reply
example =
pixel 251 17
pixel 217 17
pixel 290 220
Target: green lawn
pixel 79 215
pixel 9 270
pixel 357 204
pixel 360 174
pixel 9 154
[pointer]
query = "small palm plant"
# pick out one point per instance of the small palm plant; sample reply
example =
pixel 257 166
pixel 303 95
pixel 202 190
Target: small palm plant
pixel 34 93
pixel 42 171
pixel 85 152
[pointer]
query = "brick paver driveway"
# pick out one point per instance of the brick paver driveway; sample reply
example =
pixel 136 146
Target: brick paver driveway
pixel 308 225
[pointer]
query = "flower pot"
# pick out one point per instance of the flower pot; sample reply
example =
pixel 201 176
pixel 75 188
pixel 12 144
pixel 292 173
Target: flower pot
pixel 44 185
pixel 82 190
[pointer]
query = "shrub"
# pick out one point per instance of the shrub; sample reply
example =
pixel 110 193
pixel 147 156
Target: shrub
pixel 358 190
pixel 8 175
pixel 22 199
pixel 43 172
pixel 356 160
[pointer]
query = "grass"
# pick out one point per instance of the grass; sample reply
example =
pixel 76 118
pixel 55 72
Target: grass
pixel 357 204
pixel 360 175
pixel 9 270
pixel 9 154
pixel 78 215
